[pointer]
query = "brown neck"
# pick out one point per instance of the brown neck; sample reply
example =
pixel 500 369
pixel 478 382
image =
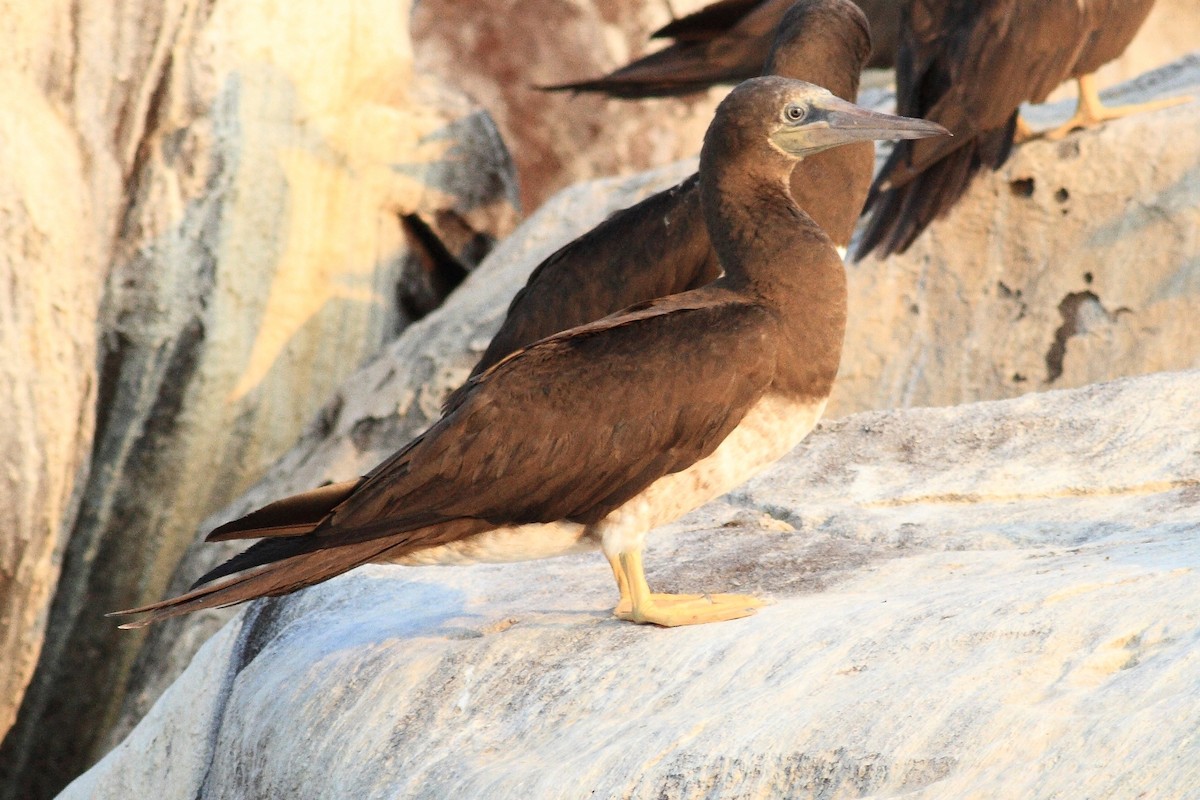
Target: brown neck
pixel 772 251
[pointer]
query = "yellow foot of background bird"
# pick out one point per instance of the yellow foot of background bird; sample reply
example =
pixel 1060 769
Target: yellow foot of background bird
pixel 1090 111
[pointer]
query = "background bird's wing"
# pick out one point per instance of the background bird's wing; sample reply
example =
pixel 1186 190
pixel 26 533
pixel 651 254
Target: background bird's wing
pixel 707 51
pixel 709 21
pixel 967 65
pixel 681 68
pixel 655 248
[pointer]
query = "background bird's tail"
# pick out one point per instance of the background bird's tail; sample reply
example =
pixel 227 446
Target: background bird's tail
pixel 907 196
pixel 675 70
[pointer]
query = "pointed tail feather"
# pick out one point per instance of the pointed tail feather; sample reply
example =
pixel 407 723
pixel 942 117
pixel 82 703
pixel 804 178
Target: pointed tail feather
pixel 291 516
pixel 277 578
pixel 675 70
pixel 280 566
pixel 708 22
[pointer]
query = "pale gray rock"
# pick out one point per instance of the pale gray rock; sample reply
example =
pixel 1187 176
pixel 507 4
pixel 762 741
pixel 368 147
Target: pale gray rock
pixel 994 599
pixel 1074 263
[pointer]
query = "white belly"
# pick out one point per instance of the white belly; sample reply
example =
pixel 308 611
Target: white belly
pixel 513 543
pixel 769 430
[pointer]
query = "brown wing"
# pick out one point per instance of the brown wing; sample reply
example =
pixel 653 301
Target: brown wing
pixel 655 248
pixel 710 21
pixel 967 65
pixel 702 57
pixel 1114 24
pixel 570 428
pixel 575 425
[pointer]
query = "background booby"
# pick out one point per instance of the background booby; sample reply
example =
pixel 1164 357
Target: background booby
pixel 725 42
pixel 969 64
pixel 661 245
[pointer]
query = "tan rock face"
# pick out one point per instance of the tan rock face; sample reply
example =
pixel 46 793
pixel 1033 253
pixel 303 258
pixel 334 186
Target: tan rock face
pixel 499 51
pixel 49 291
pixel 994 599
pixel 257 179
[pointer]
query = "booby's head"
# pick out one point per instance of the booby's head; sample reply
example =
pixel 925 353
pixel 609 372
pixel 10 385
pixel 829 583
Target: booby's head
pixel 794 119
pixel 811 119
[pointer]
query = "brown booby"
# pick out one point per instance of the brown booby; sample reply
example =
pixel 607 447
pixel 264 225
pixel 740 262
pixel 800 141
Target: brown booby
pixel 537 456
pixel 725 42
pixel 660 246
pixel 969 64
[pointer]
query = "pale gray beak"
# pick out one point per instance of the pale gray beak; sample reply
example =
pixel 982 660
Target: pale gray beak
pixel 831 121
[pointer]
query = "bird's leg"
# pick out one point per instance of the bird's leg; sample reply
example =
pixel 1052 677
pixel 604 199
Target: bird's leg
pixel 671 610
pixel 1090 111
pixel 625 604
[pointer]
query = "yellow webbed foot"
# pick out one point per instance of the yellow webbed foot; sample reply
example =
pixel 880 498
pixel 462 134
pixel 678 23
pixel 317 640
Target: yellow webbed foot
pixel 673 610
pixel 639 604
pixel 625 605
pixel 1023 133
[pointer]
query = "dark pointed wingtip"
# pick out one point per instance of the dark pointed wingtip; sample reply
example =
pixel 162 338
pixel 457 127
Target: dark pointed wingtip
pixel 132 624
pixel 575 88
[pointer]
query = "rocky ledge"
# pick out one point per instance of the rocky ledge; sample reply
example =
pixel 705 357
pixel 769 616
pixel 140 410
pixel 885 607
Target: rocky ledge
pixel 995 599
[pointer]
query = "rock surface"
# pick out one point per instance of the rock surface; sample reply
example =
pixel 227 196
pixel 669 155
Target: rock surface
pixel 49 293
pixel 500 51
pixel 252 187
pixel 955 348
pixel 994 599
pixel 1075 262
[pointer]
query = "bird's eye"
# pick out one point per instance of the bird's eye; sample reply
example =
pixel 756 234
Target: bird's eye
pixel 794 113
